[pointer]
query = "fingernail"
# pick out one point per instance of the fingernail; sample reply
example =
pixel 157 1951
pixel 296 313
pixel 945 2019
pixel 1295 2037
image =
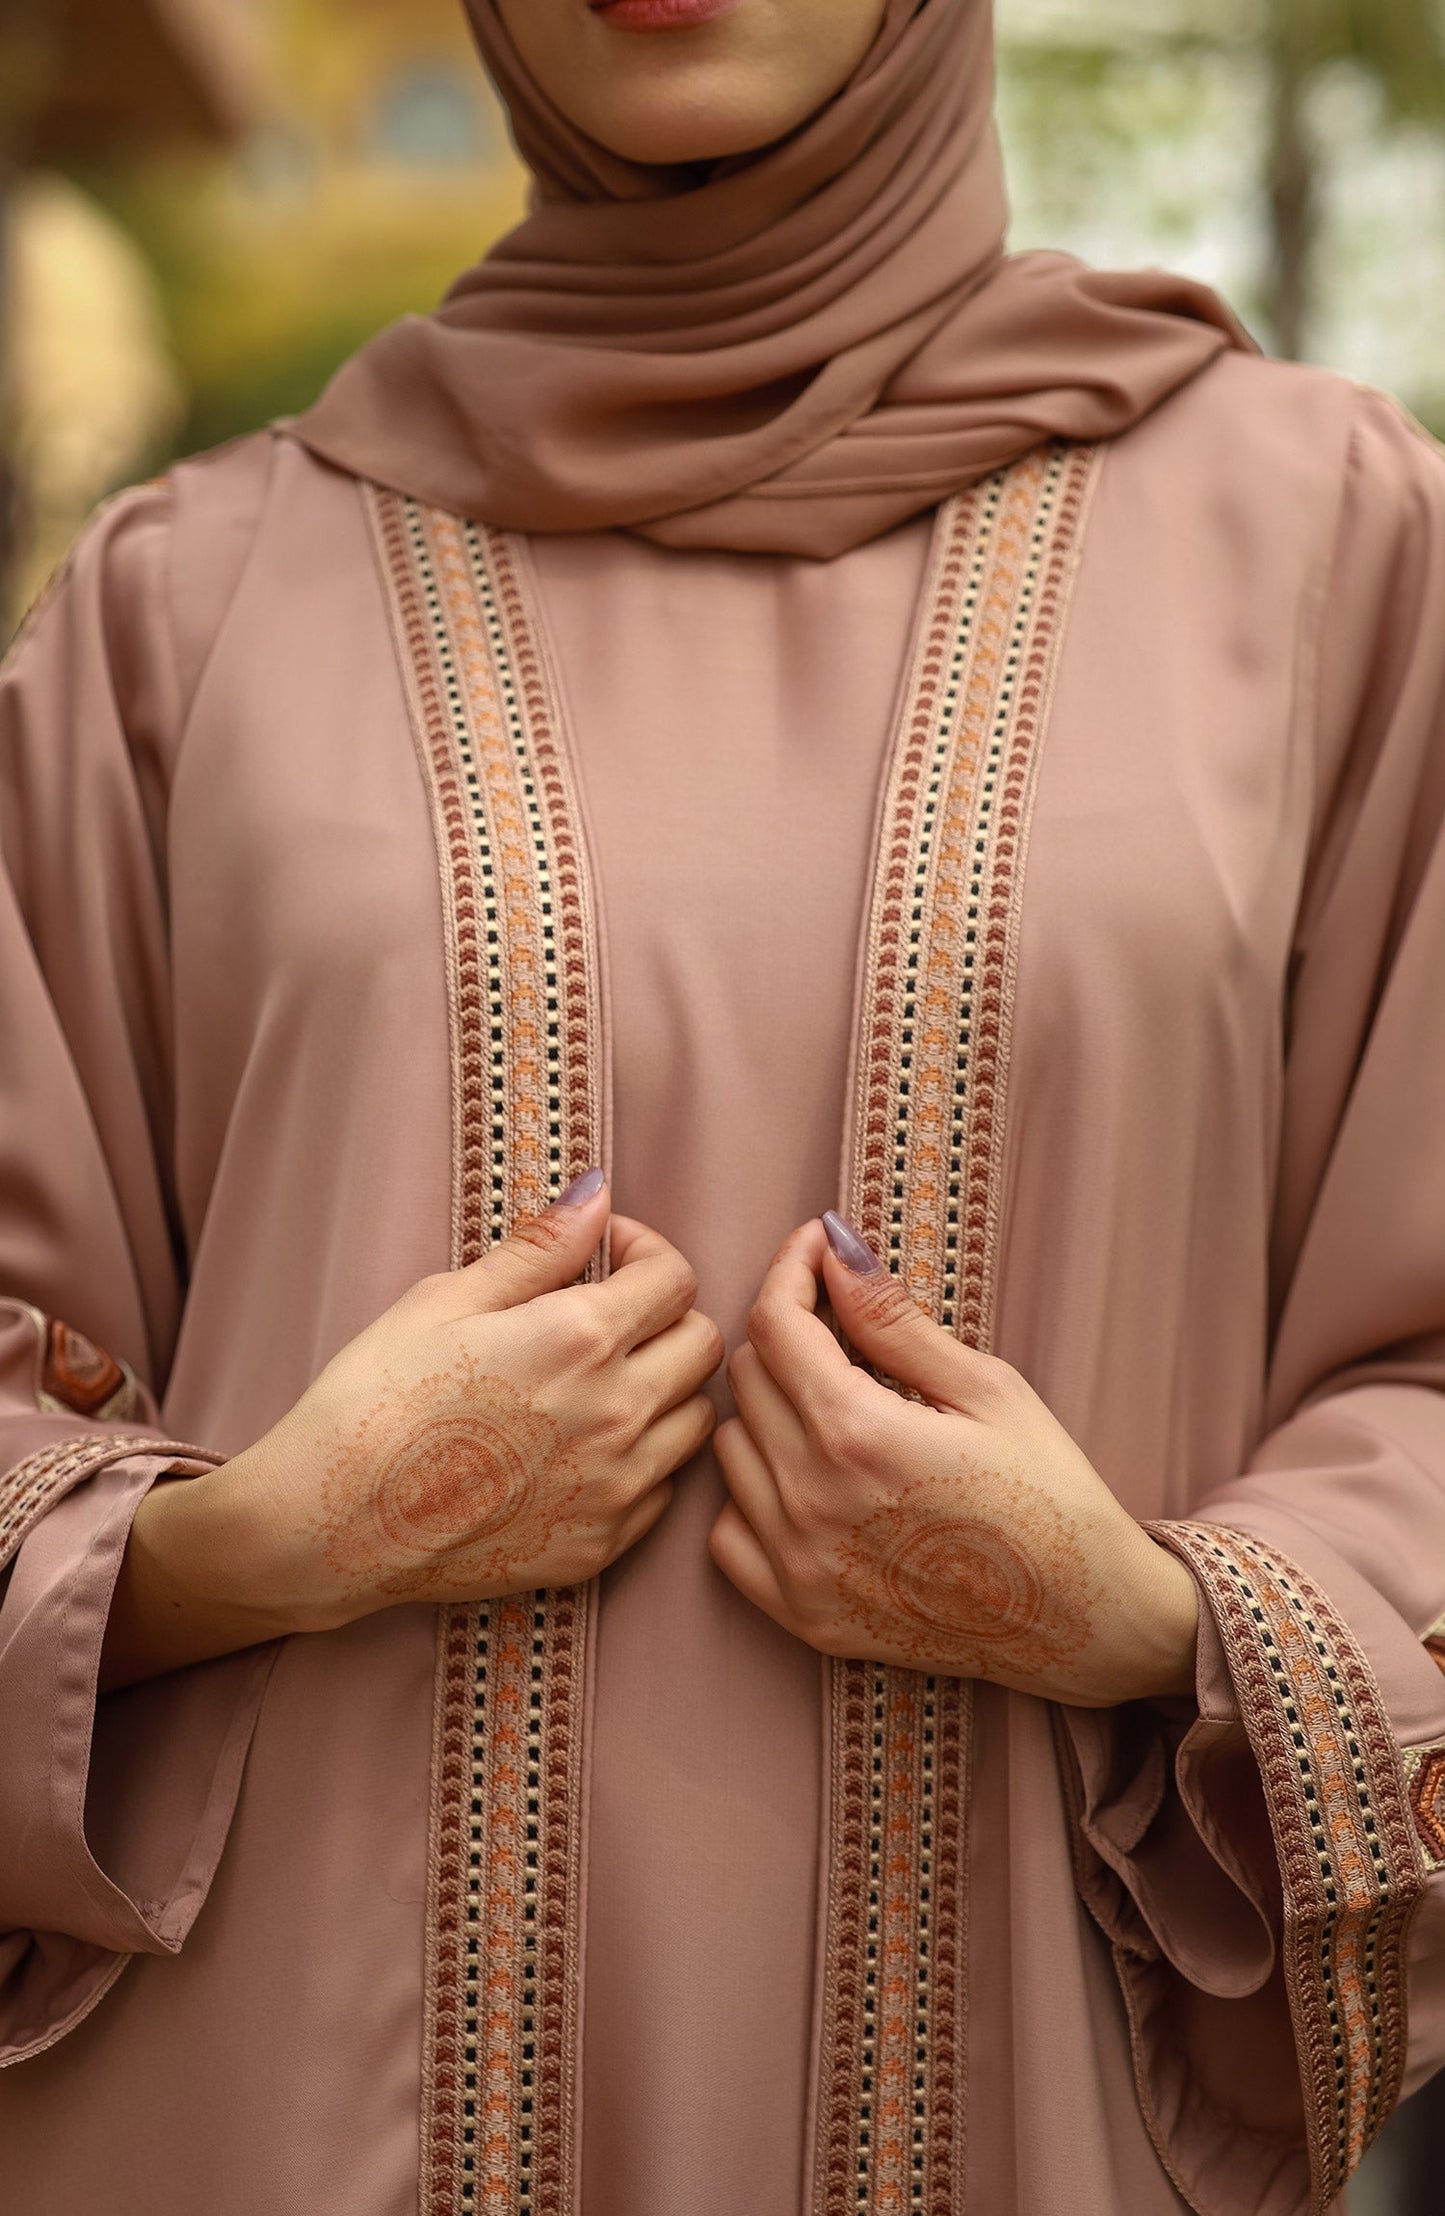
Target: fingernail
pixel 850 1246
pixel 581 1190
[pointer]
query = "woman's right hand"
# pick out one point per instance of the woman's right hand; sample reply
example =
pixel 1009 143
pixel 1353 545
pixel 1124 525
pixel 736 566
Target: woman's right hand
pixel 499 1428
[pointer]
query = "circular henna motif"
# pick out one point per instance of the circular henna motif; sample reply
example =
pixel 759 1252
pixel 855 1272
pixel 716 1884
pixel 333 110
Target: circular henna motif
pixel 460 1477
pixel 965 1578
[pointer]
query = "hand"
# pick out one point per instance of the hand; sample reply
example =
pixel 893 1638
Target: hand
pixel 499 1428
pixel 964 1534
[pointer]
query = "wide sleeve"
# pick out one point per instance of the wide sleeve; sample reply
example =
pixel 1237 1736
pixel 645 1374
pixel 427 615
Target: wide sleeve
pixel 113 1812
pixel 1269 1863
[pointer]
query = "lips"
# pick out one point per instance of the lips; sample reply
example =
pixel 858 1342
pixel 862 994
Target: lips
pixel 659 15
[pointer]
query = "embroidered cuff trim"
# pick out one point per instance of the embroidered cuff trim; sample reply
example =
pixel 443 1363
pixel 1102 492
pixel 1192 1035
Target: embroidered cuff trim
pixel 1344 1832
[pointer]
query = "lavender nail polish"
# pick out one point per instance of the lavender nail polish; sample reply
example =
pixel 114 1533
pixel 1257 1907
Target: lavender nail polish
pixel 581 1190
pixel 851 1248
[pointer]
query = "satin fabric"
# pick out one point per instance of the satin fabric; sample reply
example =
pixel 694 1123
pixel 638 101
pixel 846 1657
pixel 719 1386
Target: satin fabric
pixel 224 1148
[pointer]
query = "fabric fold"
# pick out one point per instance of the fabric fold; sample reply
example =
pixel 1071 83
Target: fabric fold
pixel 113 1811
pixel 791 351
pixel 1313 1776
pixel 1172 1848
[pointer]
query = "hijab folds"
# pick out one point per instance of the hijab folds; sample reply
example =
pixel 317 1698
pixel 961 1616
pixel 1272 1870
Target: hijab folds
pixel 792 351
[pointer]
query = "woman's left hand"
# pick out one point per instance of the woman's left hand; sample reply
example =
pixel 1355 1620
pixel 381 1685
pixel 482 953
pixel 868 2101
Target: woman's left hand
pixel 964 1534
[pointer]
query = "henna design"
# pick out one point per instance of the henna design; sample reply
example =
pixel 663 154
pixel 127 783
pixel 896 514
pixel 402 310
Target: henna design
pixel 948 1574
pixel 454 1484
pixel 972 1595
pixel 458 1477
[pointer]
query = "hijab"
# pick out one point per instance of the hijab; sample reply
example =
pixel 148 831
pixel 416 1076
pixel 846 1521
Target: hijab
pixel 788 351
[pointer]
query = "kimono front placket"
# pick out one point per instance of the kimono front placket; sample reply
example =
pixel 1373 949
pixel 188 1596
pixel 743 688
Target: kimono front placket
pixel 922 1176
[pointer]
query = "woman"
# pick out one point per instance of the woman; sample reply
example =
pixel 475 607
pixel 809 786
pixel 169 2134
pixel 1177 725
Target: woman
pixel 998 716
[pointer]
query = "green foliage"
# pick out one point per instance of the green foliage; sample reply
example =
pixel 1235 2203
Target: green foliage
pixel 1154 90
pixel 1400 44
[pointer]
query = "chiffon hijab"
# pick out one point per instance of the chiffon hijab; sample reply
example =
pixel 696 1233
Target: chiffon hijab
pixel 790 351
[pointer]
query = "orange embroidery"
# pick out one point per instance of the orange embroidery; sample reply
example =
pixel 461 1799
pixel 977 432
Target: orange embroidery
pixel 1425 1769
pixel 1435 1644
pixel 500 2061
pixel 76 1372
pixel 1345 1831
pixel 922 1182
pixel 30 1488
pixel 500 2053
pixel 73 1376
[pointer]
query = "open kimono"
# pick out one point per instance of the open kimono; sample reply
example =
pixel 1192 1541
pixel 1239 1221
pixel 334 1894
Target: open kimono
pixel 1055 876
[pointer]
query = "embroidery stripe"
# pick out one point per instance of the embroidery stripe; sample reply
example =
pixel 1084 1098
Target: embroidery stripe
pixel 30 1488
pixel 1434 1640
pixel 503 1971
pixel 1344 1832
pixel 1425 1777
pixel 923 1182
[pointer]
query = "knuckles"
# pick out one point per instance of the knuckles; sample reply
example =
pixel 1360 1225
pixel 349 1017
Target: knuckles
pixel 990 1384
pixel 611 1496
pixel 765 1325
pixel 713 1347
pixel 616 1422
pixel 583 1336
pixel 848 1428
pixel 705 1420
pixel 542 1234
pixel 810 1515
pixel 680 1284
pixel 882 1301
pixel 742 1363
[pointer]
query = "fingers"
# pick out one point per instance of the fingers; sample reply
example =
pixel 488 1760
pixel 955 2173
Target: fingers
pixel 738 1553
pixel 640 1519
pixel 677 1436
pixel 541 1255
pixel 882 1321
pixel 764 1407
pixel 751 1484
pixel 676 1363
pixel 798 1350
pixel 651 1285
pixel 627 1231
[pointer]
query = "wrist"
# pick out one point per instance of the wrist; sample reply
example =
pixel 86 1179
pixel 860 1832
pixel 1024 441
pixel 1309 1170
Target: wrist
pixel 1151 1651
pixel 1168 1625
pixel 207 1546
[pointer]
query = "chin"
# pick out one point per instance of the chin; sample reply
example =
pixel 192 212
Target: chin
pixel 678 130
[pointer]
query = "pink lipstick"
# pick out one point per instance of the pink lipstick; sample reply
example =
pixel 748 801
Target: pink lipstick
pixel 659 15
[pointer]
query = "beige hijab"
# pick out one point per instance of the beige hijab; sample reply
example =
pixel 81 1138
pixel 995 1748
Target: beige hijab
pixel 790 352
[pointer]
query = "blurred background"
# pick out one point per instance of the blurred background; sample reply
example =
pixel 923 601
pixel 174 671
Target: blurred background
pixel 206 204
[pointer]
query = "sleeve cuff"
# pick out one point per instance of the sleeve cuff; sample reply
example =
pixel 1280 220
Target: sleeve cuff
pixel 113 1812
pixel 1336 1798
pixel 1174 1856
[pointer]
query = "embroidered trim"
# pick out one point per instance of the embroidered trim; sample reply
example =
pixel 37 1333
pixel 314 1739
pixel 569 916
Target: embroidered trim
pixel 71 1376
pixel 1425 1778
pixel 924 1184
pixel 1434 1643
pixel 1344 1829
pixel 503 1917
pixel 29 1488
